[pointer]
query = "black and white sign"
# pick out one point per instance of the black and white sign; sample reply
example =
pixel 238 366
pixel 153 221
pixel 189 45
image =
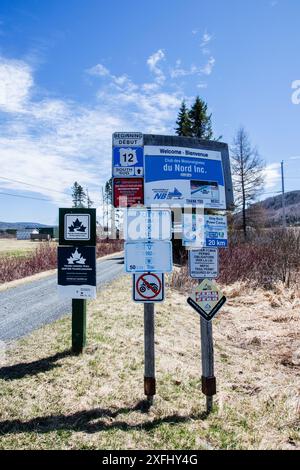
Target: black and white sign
pixel 148 287
pixel 77 272
pixel 127 139
pixel 77 226
pixel 204 263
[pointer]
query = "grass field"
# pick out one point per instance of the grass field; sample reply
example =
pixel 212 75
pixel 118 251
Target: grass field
pixel 51 399
pixel 13 247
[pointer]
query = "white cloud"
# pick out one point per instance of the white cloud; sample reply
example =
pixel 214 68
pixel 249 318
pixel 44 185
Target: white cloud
pixel 15 84
pixel 153 62
pixel 98 70
pixel 53 142
pixel 206 38
pixel 272 175
pixel 208 67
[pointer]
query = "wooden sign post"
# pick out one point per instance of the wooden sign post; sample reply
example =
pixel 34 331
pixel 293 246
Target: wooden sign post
pixel 149 352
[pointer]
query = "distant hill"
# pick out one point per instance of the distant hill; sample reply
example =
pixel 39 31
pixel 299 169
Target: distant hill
pixel 20 225
pixel 273 208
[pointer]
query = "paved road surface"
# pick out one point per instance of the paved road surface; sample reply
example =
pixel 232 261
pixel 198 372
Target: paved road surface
pixel 33 304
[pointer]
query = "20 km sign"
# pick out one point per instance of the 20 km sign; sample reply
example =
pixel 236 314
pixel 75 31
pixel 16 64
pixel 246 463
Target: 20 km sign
pixel 148 287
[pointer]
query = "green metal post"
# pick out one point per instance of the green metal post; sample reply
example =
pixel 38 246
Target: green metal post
pixel 78 325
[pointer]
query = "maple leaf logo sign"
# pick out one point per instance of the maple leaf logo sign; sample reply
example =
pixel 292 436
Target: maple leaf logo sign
pixel 77 226
pixel 76 258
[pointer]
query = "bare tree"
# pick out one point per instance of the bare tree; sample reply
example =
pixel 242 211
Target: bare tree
pixel 247 173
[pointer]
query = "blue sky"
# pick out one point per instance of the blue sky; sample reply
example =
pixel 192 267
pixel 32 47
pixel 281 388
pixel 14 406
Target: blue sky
pixel 74 71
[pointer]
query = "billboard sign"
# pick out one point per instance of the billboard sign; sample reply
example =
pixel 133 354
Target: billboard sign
pixel 184 176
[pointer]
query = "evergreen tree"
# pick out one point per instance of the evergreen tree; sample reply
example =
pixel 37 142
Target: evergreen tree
pixel 200 120
pixel 78 195
pixel 184 125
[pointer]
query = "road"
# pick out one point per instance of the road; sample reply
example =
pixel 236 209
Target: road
pixel 33 304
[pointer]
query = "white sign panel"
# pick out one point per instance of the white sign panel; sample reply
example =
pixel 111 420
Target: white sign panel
pixel 121 139
pixel 77 226
pixel 147 224
pixel 206 231
pixel 193 230
pixel 184 176
pixel 204 263
pixel 148 287
pixel 148 256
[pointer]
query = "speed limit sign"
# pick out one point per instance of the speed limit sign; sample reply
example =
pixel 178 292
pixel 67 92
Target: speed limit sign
pixel 148 287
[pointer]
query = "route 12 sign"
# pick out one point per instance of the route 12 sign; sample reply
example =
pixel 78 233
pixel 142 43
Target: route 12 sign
pixel 148 287
pixel 207 299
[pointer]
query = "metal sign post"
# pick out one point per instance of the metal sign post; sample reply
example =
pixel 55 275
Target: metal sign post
pixel 149 353
pixel 208 379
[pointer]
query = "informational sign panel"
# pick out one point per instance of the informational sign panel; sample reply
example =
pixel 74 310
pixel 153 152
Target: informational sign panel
pixel 193 230
pixel 204 231
pixel 148 287
pixel 215 229
pixel 128 161
pixel 204 263
pixel 184 175
pixel 127 139
pixel 128 192
pixel 77 272
pixel 207 299
pixel 77 226
pixel 147 224
pixel 154 256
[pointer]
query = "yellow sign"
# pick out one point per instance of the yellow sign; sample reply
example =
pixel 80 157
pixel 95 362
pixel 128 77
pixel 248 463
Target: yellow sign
pixel 207 299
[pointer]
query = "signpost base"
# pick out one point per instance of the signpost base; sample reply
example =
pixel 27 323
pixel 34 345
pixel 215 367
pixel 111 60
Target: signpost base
pixel 78 325
pixel 149 375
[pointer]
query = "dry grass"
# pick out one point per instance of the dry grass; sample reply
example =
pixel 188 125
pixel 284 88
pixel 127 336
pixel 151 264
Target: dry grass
pixel 50 399
pixel 13 247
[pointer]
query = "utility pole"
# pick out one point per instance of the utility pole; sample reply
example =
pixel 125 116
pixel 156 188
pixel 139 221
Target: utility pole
pixel 283 197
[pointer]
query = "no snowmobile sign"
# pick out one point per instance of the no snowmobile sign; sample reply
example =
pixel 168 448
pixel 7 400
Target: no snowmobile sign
pixel 148 287
pixel 207 299
pixel 77 272
pixel 77 226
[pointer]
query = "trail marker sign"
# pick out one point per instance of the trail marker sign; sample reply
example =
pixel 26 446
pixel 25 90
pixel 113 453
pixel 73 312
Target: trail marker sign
pixel 150 256
pixel 128 139
pixel 128 161
pixel 215 231
pixel 207 299
pixel 204 263
pixel 77 226
pixel 76 272
pixel 148 287
pixel 147 224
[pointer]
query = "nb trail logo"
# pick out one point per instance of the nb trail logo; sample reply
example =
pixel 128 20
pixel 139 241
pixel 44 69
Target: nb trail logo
pixel 166 194
pixel 77 226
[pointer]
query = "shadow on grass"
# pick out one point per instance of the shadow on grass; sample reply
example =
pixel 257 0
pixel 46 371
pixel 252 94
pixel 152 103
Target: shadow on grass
pixel 18 371
pixel 90 421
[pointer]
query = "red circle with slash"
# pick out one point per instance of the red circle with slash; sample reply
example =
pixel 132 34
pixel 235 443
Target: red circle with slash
pixel 149 286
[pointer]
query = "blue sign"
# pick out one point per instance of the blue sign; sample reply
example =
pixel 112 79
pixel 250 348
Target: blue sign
pixel 215 231
pixel 185 176
pixel 128 161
